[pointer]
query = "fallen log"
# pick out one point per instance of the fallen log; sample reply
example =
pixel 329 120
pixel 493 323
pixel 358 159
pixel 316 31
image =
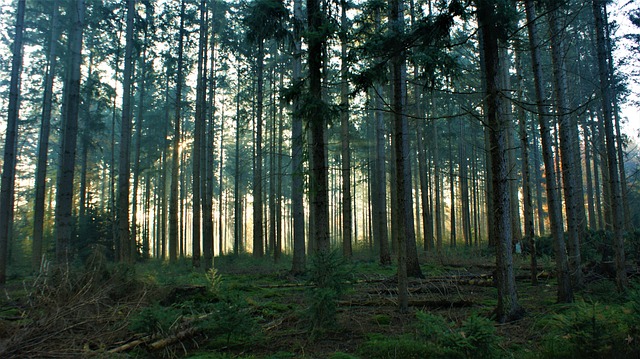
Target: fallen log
pixel 431 303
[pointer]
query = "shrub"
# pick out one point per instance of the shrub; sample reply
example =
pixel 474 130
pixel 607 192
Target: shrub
pixel 475 338
pixel 379 347
pixel 328 276
pixel 586 330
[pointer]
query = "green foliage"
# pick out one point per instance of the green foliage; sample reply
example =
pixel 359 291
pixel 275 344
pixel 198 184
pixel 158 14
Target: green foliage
pixel 380 347
pixel 476 337
pixel 341 355
pixel 381 319
pixel 155 319
pixel 586 330
pixel 229 319
pixel 328 275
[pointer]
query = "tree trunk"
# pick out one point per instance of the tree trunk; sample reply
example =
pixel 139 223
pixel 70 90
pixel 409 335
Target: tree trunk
pixel 617 209
pixel 344 136
pixel 571 169
pixel 199 139
pixel 208 146
pixel 174 222
pixel 529 231
pixel 452 193
pixel 43 143
pixel 258 234
pixel 11 143
pixel 69 137
pixel 317 125
pixel 565 291
pixel 297 143
pixel 508 307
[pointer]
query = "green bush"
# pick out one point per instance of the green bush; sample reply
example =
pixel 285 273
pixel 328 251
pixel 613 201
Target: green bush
pixel 155 319
pixel 328 277
pixel 379 347
pixel 475 338
pixel 586 330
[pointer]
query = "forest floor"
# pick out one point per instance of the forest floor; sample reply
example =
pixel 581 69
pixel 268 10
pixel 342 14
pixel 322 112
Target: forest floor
pixel 251 308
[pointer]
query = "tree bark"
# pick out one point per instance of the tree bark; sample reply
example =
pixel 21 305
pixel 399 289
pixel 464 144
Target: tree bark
pixel 297 143
pixel 174 223
pixel 258 233
pixel 317 125
pixel 43 143
pixel 11 144
pixel 571 169
pixel 508 306
pixel 71 103
pixel 344 136
pixel 565 291
pixel 617 209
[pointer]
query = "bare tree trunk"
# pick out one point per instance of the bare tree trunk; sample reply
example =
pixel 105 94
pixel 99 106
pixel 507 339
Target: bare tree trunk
pixel 69 136
pixel 344 135
pixel 508 306
pixel 317 124
pixel 617 209
pixel 11 144
pixel 452 193
pixel 589 177
pixel 175 162
pixel 529 231
pixel 43 143
pixel 571 169
pixel 258 233
pixel 237 235
pixel 565 291
pixel 297 143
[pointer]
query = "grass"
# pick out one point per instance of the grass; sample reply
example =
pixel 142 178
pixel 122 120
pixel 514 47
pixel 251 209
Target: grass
pixel 256 309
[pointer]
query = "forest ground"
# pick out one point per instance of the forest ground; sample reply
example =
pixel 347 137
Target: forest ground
pixel 253 308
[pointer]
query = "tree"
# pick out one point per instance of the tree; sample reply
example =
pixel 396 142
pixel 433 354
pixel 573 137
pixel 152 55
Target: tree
pixel 565 291
pixel 297 143
pixel 263 22
pixel 175 157
pixel 43 142
pixel 11 144
pixel 344 135
pixel 617 210
pixel 124 167
pixel 69 136
pixel 491 27
pixel 569 153
pixel 315 110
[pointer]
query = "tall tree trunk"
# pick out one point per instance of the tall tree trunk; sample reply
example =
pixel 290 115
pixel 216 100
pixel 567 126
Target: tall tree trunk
pixel 199 139
pixel 401 149
pixel 174 223
pixel 237 235
pixel 344 135
pixel 452 192
pixel 508 306
pixel 258 233
pixel 464 187
pixel 436 179
pixel 317 125
pixel 572 181
pixel 69 137
pixel 565 291
pixel 208 146
pixel 297 143
pixel 11 144
pixel 589 177
pixel 538 181
pixel 124 160
pixel 617 209
pixel 138 138
pixel 529 231
pixel 43 143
